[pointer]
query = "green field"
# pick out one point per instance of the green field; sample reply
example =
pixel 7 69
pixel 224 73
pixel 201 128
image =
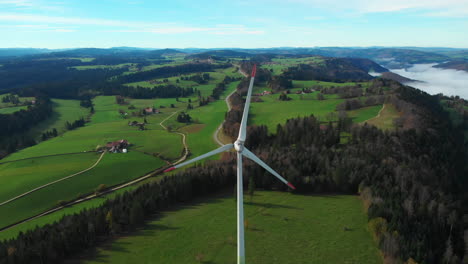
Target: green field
pixel 106 125
pixel 113 169
pixel 21 176
pixel 272 111
pixel 365 113
pixel 22 100
pixel 93 67
pixel 386 118
pixel 282 228
pixel 10 110
pixel 215 77
pixel 63 111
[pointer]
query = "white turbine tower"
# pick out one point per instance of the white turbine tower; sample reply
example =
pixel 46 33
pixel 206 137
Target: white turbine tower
pixel 241 151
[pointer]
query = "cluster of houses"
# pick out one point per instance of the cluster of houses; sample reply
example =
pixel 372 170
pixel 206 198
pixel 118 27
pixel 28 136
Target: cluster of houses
pixel 305 91
pixel 151 110
pixel 155 82
pixel 263 93
pixel 119 146
pixel 141 126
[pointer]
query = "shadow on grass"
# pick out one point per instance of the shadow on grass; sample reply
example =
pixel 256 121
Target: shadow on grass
pixel 270 205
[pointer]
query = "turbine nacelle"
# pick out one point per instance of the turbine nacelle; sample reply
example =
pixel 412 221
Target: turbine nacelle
pixel 239 146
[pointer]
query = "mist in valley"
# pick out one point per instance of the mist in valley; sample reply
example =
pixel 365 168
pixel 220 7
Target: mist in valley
pixel 436 80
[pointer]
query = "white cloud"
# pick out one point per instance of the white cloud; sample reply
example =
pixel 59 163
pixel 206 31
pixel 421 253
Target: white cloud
pixel 439 7
pixel 218 30
pixel 436 80
pixel 125 26
pixel 18 3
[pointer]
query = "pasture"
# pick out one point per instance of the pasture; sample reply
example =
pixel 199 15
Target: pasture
pixel 113 169
pixel 272 111
pixel 148 151
pixel 63 111
pixel 11 110
pixel 386 118
pixel 364 114
pixel 281 228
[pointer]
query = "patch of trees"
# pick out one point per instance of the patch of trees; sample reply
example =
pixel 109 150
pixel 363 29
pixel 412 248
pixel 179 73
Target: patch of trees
pixel 169 71
pixel 218 90
pixel 49 134
pixel 86 102
pixel 284 97
pixel 262 75
pixel 11 98
pixel 120 100
pixel 183 117
pixel 279 83
pixel 14 126
pixel 75 124
pixel 332 70
pixel 344 91
pixel 29 73
pixel 198 78
pixel 356 103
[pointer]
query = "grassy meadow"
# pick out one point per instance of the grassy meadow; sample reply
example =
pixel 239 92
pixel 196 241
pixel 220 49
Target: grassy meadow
pixel 281 228
pixel 364 114
pixel 386 118
pixel 112 170
pixel 11 110
pixel 272 111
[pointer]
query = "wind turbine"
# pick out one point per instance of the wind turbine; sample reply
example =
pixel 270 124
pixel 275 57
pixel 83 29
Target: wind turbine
pixel 241 151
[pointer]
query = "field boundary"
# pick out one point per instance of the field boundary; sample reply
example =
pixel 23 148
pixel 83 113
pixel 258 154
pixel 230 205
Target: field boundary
pixel 54 182
pixel 51 155
pixel 109 190
pixel 377 116
pixel 228 103
pixel 218 130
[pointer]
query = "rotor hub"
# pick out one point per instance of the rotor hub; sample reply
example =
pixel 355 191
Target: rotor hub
pixel 239 146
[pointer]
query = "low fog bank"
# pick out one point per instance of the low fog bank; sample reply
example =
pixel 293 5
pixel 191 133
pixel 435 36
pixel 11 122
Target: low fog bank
pixel 436 80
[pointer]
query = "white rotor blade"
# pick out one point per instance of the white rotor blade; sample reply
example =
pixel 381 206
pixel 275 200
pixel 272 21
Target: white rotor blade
pixel 206 155
pixel 245 115
pixel 252 156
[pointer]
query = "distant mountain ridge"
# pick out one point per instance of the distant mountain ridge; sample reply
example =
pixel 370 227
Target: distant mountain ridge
pixel 461 65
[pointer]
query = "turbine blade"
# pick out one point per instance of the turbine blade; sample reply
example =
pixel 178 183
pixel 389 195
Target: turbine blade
pixel 252 156
pixel 206 155
pixel 245 115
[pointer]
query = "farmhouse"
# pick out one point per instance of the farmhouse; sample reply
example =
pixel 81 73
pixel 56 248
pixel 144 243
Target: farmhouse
pixel 151 110
pixel 264 93
pixel 119 146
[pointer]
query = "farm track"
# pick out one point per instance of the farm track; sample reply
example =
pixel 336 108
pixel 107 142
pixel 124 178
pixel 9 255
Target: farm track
pixel 46 156
pixel 110 190
pixel 54 182
pixel 377 116
pixel 228 103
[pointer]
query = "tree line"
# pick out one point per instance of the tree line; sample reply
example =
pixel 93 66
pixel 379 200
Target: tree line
pixel 14 126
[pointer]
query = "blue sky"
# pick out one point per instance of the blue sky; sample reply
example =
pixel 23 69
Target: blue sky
pixel 231 23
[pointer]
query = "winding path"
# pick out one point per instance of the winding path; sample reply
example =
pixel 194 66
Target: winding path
pixel 54 182
pixel 184 138
pixel 228 103
pixel 377 116
pixel 112 189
